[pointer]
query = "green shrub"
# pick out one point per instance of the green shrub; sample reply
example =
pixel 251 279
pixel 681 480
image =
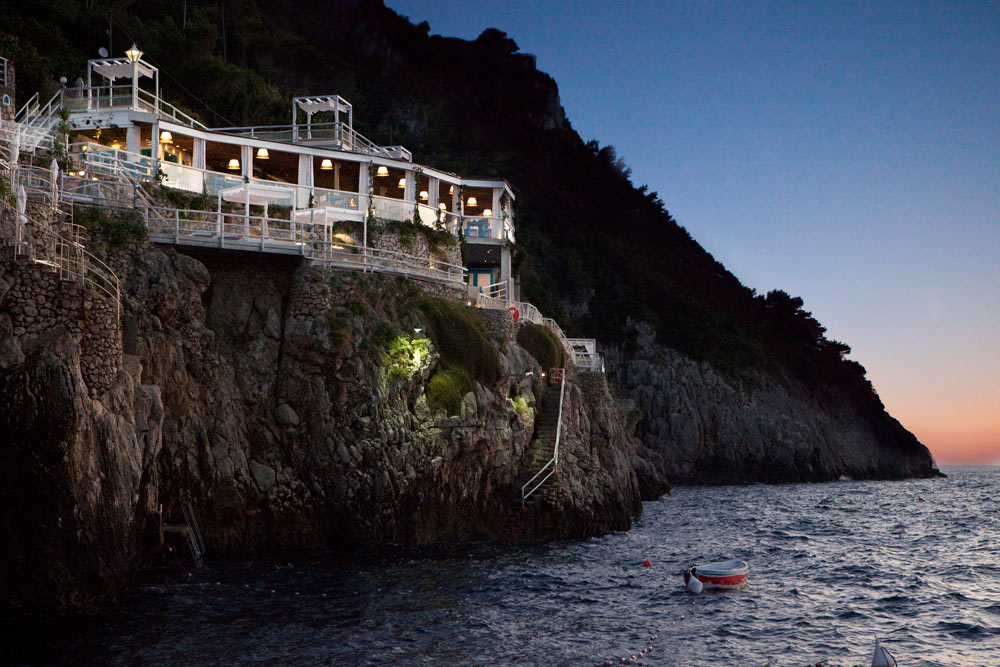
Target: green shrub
pixel 542 345
pixel 405 356
pixel 119 230
pixel 123 228
pixel 446 389
pixel 460 339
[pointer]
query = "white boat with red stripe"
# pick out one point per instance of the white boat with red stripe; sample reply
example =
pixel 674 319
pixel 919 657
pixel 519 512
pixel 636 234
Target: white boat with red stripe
pixel 724 575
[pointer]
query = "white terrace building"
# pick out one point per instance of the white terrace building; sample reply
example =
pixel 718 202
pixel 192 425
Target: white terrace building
pixel 317 169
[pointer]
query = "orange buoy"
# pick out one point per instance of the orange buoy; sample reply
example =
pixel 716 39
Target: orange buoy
pixel 646 563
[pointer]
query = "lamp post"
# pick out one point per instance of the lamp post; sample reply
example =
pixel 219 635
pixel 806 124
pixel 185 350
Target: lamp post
pixel 133 57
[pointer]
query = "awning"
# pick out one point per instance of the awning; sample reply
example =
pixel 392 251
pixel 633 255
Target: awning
pixel 260 195
pixel 120 68
pixel 313 105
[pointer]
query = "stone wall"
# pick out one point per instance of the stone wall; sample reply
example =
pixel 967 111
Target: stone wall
pixel 499 323
pixel 36 300
pixel 406 239
pixel 7 111
pixel 594 386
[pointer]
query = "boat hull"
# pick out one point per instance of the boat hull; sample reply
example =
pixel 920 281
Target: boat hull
pixel 727 575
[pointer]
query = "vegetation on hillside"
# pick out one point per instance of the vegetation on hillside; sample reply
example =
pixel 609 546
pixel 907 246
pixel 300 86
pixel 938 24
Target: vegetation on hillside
pixel 587 235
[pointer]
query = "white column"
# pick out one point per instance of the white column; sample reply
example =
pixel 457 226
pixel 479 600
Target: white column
pixel 409 192
pixel 305 181
pixel 246 161
pixel 505 276
pixel 433 188
pixel 133 139
pixel 198 154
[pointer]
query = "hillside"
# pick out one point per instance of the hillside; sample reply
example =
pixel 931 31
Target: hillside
pixel 595 250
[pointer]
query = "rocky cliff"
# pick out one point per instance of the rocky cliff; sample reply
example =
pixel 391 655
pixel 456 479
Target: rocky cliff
pixel 759 428
pixel 289 404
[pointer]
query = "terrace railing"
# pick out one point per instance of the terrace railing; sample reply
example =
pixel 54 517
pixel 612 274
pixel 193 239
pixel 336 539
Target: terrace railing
pixel 338 134
pixel 585 356
pixel 265 234
pixel 103 98
pixel 478 229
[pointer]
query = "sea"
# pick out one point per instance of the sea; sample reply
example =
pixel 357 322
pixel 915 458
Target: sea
pixel 915 563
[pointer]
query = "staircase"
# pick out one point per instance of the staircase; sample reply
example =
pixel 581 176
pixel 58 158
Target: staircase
pixel 36 122
pixel 545 429
pixel 545 456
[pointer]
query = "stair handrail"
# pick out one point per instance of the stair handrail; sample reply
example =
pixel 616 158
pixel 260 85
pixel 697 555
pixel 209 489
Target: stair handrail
pixel 68 255
pixel 554 461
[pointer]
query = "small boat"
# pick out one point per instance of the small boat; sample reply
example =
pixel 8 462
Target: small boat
pixel 724 575
pixel 882 657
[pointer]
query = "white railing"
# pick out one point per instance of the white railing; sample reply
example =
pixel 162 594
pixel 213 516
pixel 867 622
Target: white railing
pixel 3 71
pixel 337 133
pixel 585 356
pixel 35 122
pixel 63 252
pixel 276 235
pixel 549 468
pixel 480 227
pixel 528 312
pixel 496 290
pixel 101 98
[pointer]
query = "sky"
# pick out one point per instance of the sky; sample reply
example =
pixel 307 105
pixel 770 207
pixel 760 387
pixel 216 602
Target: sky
pixel 848 153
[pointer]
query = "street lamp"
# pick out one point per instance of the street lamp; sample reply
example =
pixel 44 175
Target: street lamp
pixel 133 55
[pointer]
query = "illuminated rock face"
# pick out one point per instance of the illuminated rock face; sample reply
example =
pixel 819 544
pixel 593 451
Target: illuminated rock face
pixel 760 429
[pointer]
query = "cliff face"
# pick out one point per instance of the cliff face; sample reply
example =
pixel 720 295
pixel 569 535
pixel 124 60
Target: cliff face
pixel 265 391
pixel 286 429
pixel 712 430
pixel 75 470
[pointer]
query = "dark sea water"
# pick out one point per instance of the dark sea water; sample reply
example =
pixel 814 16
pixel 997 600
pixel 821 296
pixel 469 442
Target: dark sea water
pixel 916 563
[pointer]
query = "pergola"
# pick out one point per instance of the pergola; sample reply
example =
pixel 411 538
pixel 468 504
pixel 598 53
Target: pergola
pixel 319 104
pixel 112 69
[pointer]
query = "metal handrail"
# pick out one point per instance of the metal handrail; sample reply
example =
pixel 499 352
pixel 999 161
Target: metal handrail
pixel 554 461
pixel 68 256
pixel 277 233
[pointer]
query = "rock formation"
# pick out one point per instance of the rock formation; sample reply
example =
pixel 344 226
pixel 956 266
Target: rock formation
pixel 259 388
pixel 711 429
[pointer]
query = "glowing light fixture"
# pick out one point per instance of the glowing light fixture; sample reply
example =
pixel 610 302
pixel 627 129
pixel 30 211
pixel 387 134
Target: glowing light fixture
pixel 116 146
pixel 133 54
pixel 84 148
pixel 402 183
pixel 424 194
pixel 234 164
pixel 472 202
pixel 326 164
pixel 382 171
pixel 166 137
pixel 443 206
pixel 487 212
pixel 262 154
pixel 451 190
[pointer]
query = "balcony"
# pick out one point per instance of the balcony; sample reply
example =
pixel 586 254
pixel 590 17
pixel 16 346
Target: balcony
pixel 483 229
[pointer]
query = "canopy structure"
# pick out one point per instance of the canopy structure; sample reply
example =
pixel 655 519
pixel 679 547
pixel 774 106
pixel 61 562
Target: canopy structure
pixel 119 68
pixel 318 104
pixel 256 194
pixel 112 69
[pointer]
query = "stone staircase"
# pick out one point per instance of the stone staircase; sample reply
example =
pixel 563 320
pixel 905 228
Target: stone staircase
pixel 544 440
pixel 545 430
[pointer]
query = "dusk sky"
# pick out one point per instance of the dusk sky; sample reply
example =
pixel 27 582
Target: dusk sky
pixel 848 153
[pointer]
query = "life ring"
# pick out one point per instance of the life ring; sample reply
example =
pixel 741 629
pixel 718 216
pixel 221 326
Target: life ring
pixel 514 313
